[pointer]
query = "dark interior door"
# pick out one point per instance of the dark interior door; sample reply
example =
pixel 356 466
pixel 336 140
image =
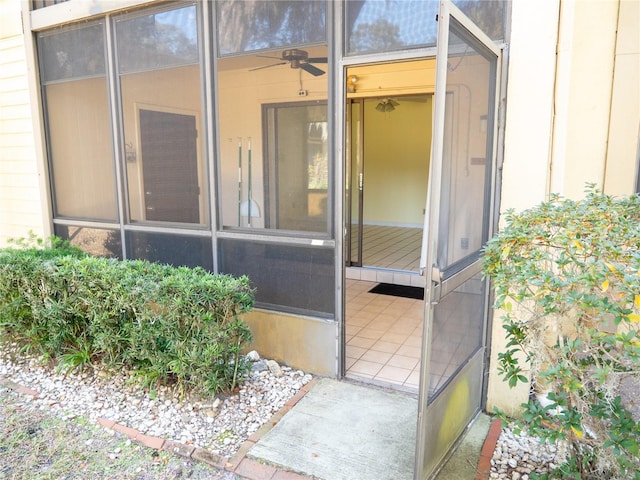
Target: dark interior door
pixel 170 166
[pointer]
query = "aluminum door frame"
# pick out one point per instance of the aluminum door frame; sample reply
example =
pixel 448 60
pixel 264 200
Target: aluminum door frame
pixel 432 413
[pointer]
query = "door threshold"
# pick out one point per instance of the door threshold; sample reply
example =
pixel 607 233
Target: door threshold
pixel 379 384
pixel 385 275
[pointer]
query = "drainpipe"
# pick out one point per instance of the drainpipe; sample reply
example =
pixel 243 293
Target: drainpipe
pixel 562 80
pixel 613 78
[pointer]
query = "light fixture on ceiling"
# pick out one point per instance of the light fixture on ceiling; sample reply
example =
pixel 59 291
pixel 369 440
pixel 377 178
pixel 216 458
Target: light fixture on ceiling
pixel 387 105
pixel 351 83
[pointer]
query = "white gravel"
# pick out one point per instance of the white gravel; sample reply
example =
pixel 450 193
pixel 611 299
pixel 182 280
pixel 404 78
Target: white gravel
pixel 516 456
pixel 220 424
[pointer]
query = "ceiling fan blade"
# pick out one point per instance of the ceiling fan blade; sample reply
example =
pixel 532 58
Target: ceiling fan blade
pixel 267 66
pixel 315 71
pixel 269 56
pixel 317 60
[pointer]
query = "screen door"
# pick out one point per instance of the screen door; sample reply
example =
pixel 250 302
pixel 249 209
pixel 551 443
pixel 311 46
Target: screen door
pixel 457 224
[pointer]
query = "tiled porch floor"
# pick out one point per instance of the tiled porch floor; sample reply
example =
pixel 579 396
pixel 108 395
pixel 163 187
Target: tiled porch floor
pixel 396 248
pixel 384 337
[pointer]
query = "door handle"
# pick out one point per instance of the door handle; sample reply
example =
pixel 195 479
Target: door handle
pixel 436 285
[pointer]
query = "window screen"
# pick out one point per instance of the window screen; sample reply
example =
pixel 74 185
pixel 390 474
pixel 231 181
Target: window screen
pixel 72 53
pixel 160 81
pixel 78 122
pixel 99 242
pixel 299 279
pixel 389 25
pixel 176 250
pixel 245 26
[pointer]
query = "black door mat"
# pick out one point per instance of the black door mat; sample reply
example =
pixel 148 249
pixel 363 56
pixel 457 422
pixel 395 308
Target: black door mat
pixel 398 291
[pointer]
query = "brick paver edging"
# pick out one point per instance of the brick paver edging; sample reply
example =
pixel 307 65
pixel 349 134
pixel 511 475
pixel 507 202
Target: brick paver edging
pixel 238 464
pixel 486 454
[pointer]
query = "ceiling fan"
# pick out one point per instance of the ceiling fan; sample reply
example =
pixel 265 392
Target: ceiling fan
pixel 296 59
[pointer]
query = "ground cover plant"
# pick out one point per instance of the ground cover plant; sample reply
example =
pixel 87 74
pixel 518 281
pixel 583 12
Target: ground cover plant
pixel 567 281
pixel 37 444
pixel 166 325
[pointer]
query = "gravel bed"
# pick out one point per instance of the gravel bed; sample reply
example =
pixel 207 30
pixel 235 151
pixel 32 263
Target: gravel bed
pixel 516 456
pixel 220 424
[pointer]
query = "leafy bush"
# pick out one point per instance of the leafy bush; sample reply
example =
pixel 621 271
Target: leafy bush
pixel 164 324
pixel 567 277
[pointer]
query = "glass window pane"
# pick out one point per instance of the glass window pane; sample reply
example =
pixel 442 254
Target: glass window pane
pixel 456 332
pixel 388 25
pixel 245 26
pixel 467 152
pixel 159 40
pixel 176 250
pixel 99 242
pixel 72 53
pixel 162 121
pixel 297 167
pixel 291 278
pixel 79 130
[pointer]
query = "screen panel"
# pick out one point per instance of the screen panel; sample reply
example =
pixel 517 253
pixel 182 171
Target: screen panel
pixel 294 278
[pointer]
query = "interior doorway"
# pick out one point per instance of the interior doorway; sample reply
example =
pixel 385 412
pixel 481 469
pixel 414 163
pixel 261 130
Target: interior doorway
pixel 390 138
pixel 389 126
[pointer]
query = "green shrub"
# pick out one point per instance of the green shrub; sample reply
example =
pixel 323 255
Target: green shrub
pixel 567 278
pixel 166 325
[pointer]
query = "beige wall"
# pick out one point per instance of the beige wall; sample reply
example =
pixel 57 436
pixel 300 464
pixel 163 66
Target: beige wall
pixel 81 152
pixel 584 74
pixel 300 342
pixel 397 145
pixel 396 162
pixel 624 122
pixel 21 206
pixel 570 119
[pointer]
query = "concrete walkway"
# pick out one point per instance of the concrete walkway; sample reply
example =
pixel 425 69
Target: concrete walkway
pixel 343 431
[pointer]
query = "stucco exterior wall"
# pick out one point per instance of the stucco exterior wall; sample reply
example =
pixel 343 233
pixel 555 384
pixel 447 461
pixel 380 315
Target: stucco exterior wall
pixel 572 117
pixel 584 79
pixel 624 124
pixel 21 206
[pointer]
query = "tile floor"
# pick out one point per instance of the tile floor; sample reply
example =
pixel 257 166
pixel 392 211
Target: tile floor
pixel 384 333
pixel 395 248
pixel 384 337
